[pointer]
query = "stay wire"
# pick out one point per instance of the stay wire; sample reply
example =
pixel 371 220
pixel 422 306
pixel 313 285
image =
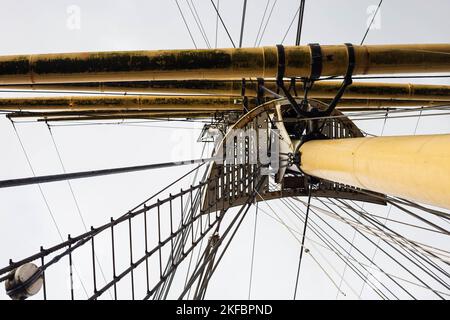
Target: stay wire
pixel 365 256
pixel 417 123
pixel 392 237
pixel 199 270
pixel 321 234
pixel 345 267
pixel 371 22
pixel 198 22
pixel 300 22
pixel 76 202
pixel 217 23
pixel 244 9
pixel 396 221
pixel 303 241
pixel 291 231
pixel 340 255
pixel 262 22
pixel 253 252
pixel 413 244
pixel 47 205
pixel 223 24
pixel 211 255
pixel 409 254
pixel 389 255
pixel 247 206
pixel 316 229
pixel 68 181
pixel 290 25
pixel 186 24
pixel 398 202
pixel 378 225
pixel 179 246
pixel 199 256
pixel 347 241
pixel 39 186
pixel 201 24
pixel 313 244
pixel 267 22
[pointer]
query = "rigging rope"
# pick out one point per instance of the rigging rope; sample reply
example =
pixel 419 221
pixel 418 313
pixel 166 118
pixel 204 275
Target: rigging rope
pixel 364 255
pixel 290 25
pixel 185 23
pixel 389 255
pixel 182 240
pixel 371 22
pixel 300 22
pixel 242 23
pixel 341 255
pixel 241 214
pixel 69 184
pixel 322 235
pixel 39 186
pixel 217 22
pixel 303 240
pixel 291 230
pixel 198 22
pixel 223 23
pixel 267 22
pixel 253 252
pixel 262 21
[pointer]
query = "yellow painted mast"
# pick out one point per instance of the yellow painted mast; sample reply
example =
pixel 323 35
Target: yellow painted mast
pixel 320 90
pixel 176 103
pixel 416 168
pixel 220 63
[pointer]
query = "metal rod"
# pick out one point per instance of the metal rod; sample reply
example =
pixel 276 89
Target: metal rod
pixel 131 257
pixel 94 173
pixel 113 257
pixel 146 251
pixel 70 271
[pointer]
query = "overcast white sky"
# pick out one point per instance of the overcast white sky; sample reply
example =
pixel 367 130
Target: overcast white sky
pixel 48 26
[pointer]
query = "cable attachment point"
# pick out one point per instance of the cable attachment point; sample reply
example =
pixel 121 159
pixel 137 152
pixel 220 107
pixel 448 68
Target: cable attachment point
pixel 244 97
pixel 260 91
pixel 280 81
pixel 293 159
pixel 347 80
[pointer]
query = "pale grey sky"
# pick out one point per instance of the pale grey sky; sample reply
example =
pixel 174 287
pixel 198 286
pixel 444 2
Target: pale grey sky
pixel 46 26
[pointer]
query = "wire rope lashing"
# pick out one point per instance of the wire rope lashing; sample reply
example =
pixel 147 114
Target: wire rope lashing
pixel 243 95
pixel 281 70
pixel 260 91
pixel 346 82
pixel 316 72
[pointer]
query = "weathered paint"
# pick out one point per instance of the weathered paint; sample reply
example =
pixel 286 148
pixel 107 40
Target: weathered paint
pixel 322 89
pixel 186 103
pixel 175 103
pixel 218 63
